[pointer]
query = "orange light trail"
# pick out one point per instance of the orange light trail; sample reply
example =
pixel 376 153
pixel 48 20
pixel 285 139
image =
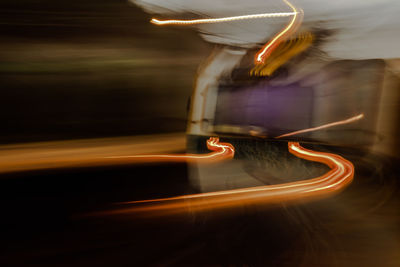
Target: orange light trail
pixel 222 151
pixel 219 20
pixel 350 120
pixel 340 175
pixel 271 45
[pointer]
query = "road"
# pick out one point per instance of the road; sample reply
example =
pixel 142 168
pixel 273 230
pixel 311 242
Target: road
pixel 52 218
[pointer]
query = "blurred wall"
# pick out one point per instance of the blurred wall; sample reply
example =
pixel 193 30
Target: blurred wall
pixel 388 123
pixel 93 68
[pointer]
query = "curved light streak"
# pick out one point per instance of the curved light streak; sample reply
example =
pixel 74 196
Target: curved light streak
pixel 282 54
pixel 222 151
pixel 266 50
pixel 340 175
pixel 219 20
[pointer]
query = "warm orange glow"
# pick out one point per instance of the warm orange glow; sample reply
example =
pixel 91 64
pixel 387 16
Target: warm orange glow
pixel 219 20
pixel 350 120
pixel 105 152
pixel 271 45
pixel 282 54
pixel 340 175
pixel 222 151
pixel 85 152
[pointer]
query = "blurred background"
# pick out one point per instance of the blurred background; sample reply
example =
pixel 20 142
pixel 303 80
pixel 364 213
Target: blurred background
pixel 84 69
pixel 83 80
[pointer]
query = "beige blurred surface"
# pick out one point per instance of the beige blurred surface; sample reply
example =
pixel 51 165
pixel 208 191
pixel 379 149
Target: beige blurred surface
pixel 85 152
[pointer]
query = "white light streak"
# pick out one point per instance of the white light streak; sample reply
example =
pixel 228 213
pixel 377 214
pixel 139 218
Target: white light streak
pixel 224 19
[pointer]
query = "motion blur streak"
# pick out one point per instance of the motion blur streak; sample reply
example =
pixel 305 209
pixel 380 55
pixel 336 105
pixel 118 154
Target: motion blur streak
pixel 101 152
pixel 218 20
pixel 85 152
pixel 222 151
pixel 271 45
pixel 282 54
pixel 332 124
pixel 340 175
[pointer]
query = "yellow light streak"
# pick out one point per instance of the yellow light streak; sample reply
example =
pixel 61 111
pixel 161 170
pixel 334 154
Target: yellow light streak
pixel 264 52
pixel 283 53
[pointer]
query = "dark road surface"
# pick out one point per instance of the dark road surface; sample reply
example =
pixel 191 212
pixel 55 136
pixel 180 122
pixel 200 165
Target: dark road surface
pixel 49 218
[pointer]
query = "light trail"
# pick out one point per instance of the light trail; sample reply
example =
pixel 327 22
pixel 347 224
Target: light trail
pixel 283 53
pixel 80 153
pixel 271 45
pixel 332 124
pixel 340 175
pixel 268 48
pixel 219 20
pixel 100 152
pixel 222 151
pixel 106 152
